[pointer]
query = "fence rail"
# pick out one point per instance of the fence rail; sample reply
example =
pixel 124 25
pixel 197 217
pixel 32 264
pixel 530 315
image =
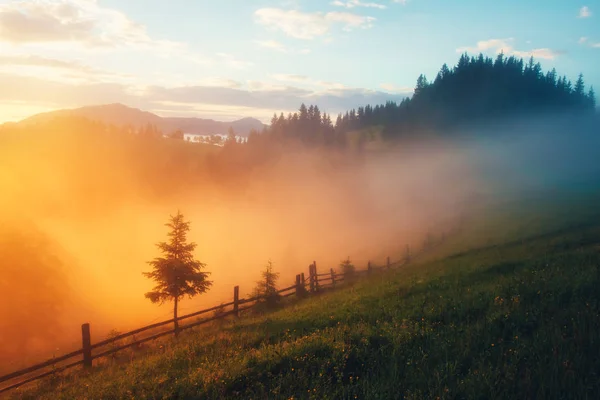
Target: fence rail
pixel 315 283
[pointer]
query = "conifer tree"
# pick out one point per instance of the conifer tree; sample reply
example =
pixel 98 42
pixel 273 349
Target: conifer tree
pixel 176 272
pixel 266 288
pixel 347 269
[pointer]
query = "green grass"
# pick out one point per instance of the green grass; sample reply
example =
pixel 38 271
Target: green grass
pixel 506 309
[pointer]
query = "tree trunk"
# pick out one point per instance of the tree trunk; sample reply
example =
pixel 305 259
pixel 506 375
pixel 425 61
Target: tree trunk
pixel 175 317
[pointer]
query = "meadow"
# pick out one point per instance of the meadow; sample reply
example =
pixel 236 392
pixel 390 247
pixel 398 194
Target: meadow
pixel 505 308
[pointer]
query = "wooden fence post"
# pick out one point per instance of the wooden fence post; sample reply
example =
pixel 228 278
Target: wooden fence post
pixel 332 277
pixel 369 268
pixel 236 301
pixel 298 285
pixel 302 279
pixel 388 263
pixel 311 277
pixel 316 277
pixel 86 340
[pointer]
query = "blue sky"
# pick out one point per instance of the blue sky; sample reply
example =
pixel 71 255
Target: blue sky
pixel 234 58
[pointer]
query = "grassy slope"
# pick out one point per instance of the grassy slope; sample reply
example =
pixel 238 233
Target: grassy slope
pixel 508 309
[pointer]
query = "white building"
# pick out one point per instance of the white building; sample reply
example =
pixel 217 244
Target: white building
pixel 216 139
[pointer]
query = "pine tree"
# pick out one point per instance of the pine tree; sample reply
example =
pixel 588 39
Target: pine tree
pixel 177 273
pixel 592 98
pixel 421 84
pixel 266 288
pixel 580 86
pixel 348 269
pixel 231 137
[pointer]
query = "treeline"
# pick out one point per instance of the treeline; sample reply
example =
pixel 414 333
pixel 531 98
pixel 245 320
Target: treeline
pixel 477 88
pixel 308 127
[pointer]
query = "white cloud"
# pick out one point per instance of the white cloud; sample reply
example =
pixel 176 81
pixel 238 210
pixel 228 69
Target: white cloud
pixel 221 82
pixel 307 26
pixel 357 3
pixel 585 40
pixel 255 98
pixel 217 112
pixel 71 21
pixel 584 12
pixel 499 45
pixel 391 88
pixel 290 77
pixel 545 53
pixel 293 23
pixel 505 46
pixel 60 70
pixel 272 44
pixel 349 20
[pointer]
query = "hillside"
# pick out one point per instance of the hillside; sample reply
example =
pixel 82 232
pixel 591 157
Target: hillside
pixel 507 308
pixel 121 115
pixel 477 89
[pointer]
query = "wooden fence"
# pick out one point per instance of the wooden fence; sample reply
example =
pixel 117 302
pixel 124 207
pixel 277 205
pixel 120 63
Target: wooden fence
pixel 89 352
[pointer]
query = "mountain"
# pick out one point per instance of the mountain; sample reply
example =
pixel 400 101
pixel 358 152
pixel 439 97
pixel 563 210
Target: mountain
pixel 119 115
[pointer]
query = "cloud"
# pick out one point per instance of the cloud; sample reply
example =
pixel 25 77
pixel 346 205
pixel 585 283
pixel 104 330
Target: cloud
pixel 290 77
pixel 255 98
pixel 499 45
pixel 62 70
pixel 349 20
pixel 582 40
pixel 392 88
pixel 312 84
pixel 584 12
pixel 72 21
pixel 544 53
pixel 221 82
pixel 357 3
pixel 505 46
pixel 38 61
pixel 307 26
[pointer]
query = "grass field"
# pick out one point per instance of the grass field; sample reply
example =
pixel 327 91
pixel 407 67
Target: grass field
pixel 506 309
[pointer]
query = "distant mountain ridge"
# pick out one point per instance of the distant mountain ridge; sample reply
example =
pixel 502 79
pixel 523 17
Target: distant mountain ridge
pixel 120 115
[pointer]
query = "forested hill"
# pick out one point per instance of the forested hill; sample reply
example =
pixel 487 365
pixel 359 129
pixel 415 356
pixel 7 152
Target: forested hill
pixel 477 88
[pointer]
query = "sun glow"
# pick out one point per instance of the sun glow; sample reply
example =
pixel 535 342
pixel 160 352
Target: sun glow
pixel 93 205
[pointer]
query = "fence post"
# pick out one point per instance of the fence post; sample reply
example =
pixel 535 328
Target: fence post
pixel 86 340
pixel 369 268
pixel 298 286
pixel 388 263
pixel 302 278
pixel 332 277
pixel 236 301
pixel 316 277
pixel 311 277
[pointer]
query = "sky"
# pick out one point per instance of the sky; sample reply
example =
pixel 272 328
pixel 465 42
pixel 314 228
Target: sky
pixel 231 59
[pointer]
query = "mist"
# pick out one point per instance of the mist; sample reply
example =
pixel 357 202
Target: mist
pixel 80 215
